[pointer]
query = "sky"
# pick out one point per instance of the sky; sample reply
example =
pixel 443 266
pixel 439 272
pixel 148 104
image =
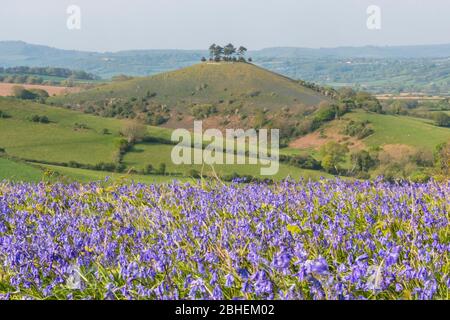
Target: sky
pixel 114 25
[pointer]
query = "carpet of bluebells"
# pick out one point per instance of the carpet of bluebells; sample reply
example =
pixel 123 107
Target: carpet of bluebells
pixel 290 240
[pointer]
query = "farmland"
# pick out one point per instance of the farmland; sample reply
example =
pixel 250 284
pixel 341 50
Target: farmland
pixel 6 89
pixel 61 141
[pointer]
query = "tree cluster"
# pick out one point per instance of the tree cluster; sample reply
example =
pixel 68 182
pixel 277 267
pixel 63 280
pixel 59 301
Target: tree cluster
pixel 227 53
pixel 49 71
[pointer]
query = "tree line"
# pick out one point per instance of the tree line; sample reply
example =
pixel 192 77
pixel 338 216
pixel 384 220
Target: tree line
pixel 227 53
pixel 49 71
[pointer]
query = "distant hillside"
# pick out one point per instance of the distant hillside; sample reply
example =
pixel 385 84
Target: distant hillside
pixel 222 93
pixel 377 69
pixel 420 51
pixel 106 65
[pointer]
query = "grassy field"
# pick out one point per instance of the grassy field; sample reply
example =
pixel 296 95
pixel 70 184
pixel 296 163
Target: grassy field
pixel 402 130
pixel 62 141
pixel 206 83
pixel 82 175
pixel 154 154
pixel 59 141
pixel 15 171
pixel 6 89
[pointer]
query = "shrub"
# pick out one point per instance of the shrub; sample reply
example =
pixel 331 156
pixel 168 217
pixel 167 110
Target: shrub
pixel 149 169
pixel 305 162
pixel 134 131
pixel 162 169
pixel 20 92
pixel 4 115
pixel 358 129
pixel 419 177
pixel 362 161
pixel 81 126
pixel 333 154
pixel 123 145
pixel 203 111
pixel 442 119
pixel 44 119
pixel 39 93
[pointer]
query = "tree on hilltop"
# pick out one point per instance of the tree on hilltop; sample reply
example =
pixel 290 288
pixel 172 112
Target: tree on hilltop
pixel 241 52
pixel 212 51
pixel 218 51
pixel 229 51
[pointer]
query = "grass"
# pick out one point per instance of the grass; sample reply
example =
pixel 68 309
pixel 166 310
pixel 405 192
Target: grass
pixel 17 171
pixel 154 154
pixel 206 83
pixel 58 141
pixel 82 175
pixel 402 130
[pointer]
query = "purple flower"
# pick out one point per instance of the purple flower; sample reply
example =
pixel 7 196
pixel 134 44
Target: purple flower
pixel 318 266
pixel 229 280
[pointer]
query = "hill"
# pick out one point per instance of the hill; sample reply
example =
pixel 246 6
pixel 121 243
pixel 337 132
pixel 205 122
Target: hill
pixel 105 64
pixel 377 69
pixel 75 146
pixel 222 93
pixel 387 130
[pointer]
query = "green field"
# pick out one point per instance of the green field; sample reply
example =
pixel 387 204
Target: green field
pixel 82 175
pixel 18 171
pixel 59 141
pixel 154 154
pixel 219 81
pixel 402 130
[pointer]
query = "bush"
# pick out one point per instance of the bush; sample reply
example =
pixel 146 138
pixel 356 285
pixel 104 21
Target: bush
pixel 442 119
pixel 305 162
pixel 81 126
pixel 368 102
pixel 358 129
pixel 203 111
pixel 39 93
pixel 325 113
pixel 149 169
pixel 4 115
pixel 363 161
pixel 162 169
pixel 134 131
pixel 20 92
pixel 333 154
pixel 419 177
pixel 44 119
pixel 40 119
pixel 123 145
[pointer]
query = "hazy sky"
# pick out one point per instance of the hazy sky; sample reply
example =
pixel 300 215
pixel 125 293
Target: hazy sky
pixel 111 25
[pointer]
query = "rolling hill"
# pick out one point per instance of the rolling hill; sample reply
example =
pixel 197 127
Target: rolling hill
pixel 388 130
pixel 376 69
pixel 70 136
pixel 225 93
